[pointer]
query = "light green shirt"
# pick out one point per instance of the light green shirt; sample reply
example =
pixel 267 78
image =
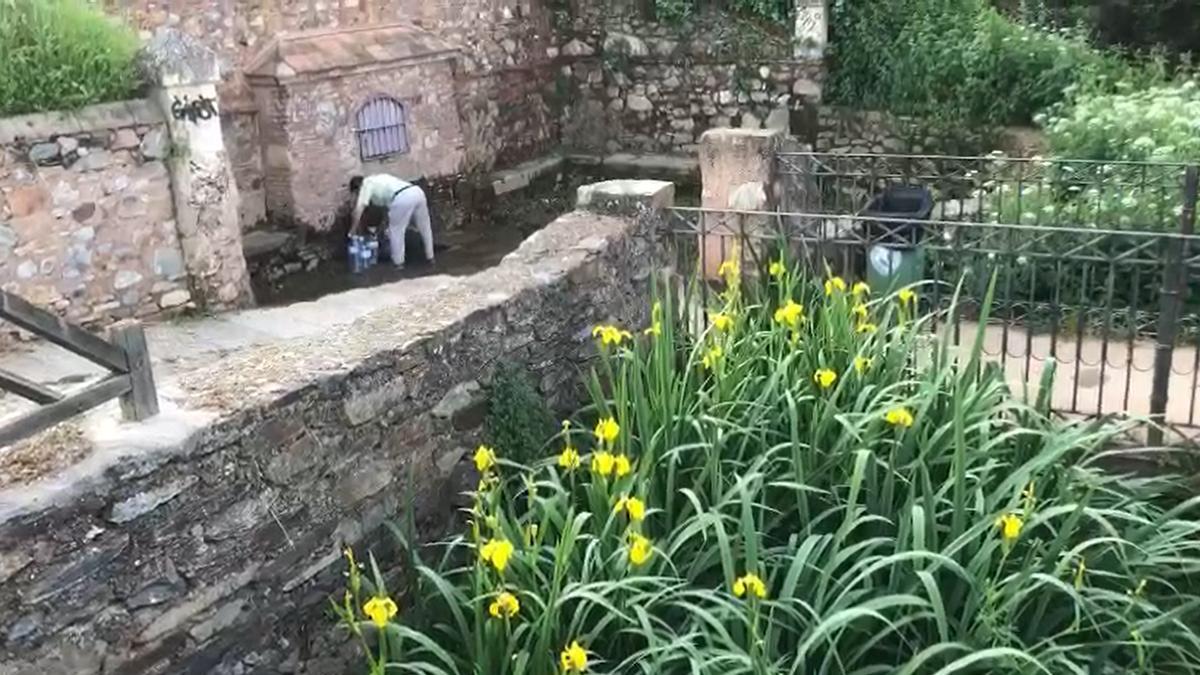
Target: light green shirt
pixel 377 190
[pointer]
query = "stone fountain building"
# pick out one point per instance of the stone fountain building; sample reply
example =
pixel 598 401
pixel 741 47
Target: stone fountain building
pixel 370 99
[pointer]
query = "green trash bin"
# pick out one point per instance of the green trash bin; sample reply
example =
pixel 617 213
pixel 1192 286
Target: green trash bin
pixel 891 268
pixel 894 221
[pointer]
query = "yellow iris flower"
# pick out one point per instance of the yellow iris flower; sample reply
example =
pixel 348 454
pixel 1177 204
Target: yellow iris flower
pixel 790 314
pixel 721 321
pixel 833 284
pixel 655 328
pixel 635 507
pixel 1010 525
pixel 640 549
pixel 380 609
pixel 573 658
pixel 611 335
pixel 485 459
pixel 825 378
pixel 730 270
pixel 899 417
pixel 607 430
pixel 711 357
pixel 569 458
pixel 505 605
pixel 750 583
pixel 603 463
pixel 622 466
pixel 497 552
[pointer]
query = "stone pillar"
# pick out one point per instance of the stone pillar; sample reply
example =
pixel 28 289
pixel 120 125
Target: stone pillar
pixel 812 29
pixel 737 173
pixel 810 39
pixel 184 74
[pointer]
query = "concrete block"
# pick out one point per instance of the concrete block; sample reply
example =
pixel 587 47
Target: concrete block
pixel 624 196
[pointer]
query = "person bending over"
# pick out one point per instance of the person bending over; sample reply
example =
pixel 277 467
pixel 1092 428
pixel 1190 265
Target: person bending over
pixel 406 205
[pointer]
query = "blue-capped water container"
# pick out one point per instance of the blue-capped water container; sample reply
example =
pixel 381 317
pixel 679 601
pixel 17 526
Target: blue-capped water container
pixel 374 247
pixel 354 254
pixel 364 255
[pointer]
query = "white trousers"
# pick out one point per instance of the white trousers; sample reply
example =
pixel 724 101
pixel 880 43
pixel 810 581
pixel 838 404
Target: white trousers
pixel 409 208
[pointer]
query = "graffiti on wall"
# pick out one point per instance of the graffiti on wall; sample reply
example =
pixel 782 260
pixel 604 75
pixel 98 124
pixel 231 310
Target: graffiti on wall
pixel 202 108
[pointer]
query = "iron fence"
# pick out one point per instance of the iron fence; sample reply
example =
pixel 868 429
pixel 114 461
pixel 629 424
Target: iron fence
pixel 1122 195
pixel 1104 304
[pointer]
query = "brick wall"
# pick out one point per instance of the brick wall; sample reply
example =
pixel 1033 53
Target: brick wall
pixel 86 216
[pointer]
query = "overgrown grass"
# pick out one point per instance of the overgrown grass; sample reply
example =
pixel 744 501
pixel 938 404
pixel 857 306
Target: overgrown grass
pixel 62 54
pixel 898 508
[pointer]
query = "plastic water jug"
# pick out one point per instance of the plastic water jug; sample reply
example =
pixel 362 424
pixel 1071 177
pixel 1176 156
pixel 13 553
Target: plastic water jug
pixel 354 254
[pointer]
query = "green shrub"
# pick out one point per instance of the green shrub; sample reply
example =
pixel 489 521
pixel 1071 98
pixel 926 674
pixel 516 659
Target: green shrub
pixel 519 422
pixel 1135 124
pixel 62 54
pixel 818 490
pixel 958 61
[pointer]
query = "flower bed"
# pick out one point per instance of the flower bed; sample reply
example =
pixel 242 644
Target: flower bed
pixel 801 485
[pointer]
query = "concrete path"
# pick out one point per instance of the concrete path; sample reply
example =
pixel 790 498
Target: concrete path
pixel 176 349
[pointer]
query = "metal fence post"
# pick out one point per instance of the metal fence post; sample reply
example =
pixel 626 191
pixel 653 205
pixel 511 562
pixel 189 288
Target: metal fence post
pixel 1170 306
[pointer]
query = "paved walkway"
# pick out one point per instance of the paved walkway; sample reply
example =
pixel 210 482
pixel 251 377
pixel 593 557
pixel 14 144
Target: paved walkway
pixel 1089 379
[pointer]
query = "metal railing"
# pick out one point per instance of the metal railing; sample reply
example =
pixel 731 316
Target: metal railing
pixel 1104 305
pixel 124 355
pixel 1124 195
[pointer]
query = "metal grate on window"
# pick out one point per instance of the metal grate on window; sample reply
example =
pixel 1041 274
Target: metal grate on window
pixel 382 128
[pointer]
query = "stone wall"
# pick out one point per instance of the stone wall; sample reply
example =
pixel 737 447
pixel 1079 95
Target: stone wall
pixel 645 86
pixel 844 130
pixel 86 217
pixel 217 554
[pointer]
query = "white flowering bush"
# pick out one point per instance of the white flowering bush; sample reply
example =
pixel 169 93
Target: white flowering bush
pixel 1153 124
pixel 1134 143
